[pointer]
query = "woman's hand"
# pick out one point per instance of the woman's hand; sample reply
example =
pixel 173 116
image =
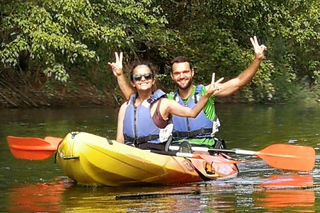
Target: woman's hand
pixel 214 86
pixel 117 66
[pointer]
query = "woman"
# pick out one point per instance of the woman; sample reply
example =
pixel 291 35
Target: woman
pixel 142 118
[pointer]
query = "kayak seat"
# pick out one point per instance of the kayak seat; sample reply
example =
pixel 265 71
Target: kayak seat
pixel 185 147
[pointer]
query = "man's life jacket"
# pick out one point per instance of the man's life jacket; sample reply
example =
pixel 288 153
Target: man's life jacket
pixel 138 126
pixel 199 127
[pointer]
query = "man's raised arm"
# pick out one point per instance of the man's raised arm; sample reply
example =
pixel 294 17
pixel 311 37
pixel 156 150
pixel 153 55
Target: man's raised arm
pixel 235 84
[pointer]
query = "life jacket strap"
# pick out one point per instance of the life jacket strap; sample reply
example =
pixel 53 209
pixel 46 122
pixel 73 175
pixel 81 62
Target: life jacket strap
pixel 141 140
pixel 192 133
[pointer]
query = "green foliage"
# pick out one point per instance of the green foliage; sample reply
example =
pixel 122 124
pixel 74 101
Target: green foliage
pixel 77 38
pixel 59 72
pixel 216 37
pixel 44 36
pixel 57 33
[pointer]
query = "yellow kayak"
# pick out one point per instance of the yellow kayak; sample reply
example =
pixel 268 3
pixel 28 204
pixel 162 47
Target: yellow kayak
pixel 94 160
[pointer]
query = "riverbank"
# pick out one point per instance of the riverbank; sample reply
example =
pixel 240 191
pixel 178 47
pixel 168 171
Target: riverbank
pixel 21 92
pixel 81 96
pixel 22 96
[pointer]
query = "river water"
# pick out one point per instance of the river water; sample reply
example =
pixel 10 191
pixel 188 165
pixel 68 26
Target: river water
pixel 40 186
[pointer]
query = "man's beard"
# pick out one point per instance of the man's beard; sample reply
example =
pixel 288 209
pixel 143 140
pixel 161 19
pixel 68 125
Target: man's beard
pixel 187 86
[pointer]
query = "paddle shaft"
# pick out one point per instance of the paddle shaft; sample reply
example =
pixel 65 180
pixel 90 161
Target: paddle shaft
pixel 206 157
pixel 205 149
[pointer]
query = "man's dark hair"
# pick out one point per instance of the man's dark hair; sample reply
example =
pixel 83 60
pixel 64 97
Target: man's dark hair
pixel 181 59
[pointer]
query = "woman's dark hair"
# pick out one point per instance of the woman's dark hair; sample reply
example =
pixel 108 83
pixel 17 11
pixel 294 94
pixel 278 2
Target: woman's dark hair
pixel 139 64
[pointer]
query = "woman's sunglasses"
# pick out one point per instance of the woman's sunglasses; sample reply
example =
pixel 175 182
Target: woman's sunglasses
pixel 147 76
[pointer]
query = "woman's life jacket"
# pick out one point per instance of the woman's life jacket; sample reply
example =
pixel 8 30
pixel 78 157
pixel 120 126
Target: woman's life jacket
pixel 138 126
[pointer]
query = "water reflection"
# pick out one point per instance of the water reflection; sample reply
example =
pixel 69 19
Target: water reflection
pixel 283 191
pixel 287 198
pixel 276 192
pixel 293 181
pixel 37 197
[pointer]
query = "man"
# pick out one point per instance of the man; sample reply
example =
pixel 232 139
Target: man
pixel 199 130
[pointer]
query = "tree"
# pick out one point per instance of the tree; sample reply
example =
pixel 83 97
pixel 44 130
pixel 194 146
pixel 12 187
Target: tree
pixel 52 35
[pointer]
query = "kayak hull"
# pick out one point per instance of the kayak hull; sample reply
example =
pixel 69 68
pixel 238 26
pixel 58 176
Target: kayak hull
pixel 93 160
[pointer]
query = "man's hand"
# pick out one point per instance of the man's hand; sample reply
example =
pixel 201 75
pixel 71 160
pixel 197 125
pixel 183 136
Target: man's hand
pixel 117 66
pixel 258 49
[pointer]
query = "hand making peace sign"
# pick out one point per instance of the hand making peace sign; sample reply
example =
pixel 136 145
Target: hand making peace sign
pixel 214 86
pixel 117 66
pixel 258 49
